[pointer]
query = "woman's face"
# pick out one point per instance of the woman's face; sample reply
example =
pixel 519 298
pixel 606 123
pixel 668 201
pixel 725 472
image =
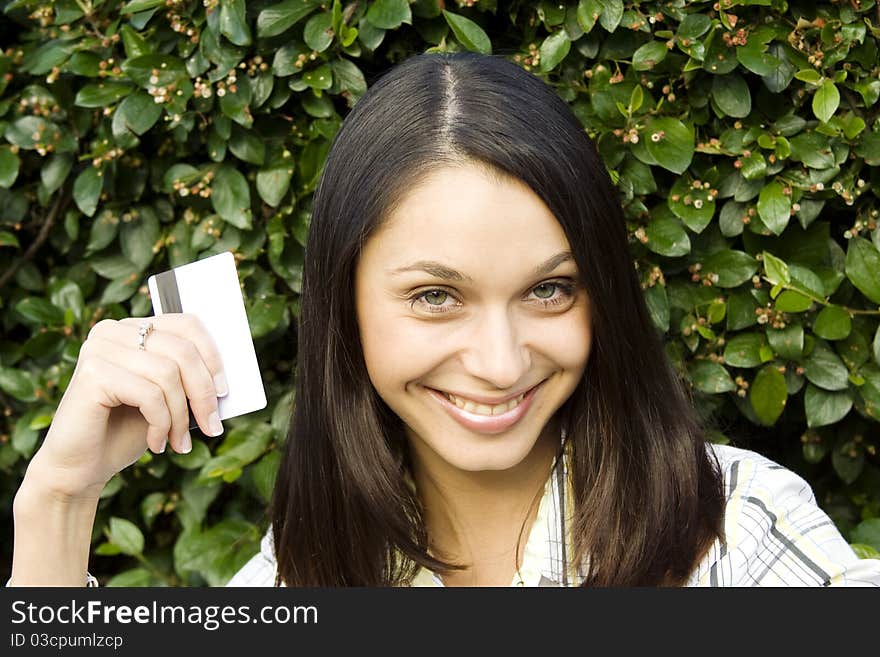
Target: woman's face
pixel 467 299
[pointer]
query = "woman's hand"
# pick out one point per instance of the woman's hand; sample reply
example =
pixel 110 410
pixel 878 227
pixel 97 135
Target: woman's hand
pixel 122 400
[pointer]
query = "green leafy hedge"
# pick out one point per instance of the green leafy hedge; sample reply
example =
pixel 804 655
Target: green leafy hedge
pixel 743 136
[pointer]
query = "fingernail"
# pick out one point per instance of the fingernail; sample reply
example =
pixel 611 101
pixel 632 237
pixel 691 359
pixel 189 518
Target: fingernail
pixel 186 444
pixel 220 385
pixel 164 443
pixel 214 425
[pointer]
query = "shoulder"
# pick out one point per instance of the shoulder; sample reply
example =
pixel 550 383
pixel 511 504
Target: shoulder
pixel 775 532
pixel 261 569
pixel 751 476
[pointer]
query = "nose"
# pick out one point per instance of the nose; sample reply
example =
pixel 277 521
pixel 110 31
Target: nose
pixel 496 353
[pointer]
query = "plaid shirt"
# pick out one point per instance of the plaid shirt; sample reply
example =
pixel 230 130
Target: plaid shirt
pixel 776 536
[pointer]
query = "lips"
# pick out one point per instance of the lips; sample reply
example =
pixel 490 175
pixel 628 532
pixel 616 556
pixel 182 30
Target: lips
pixel 485 418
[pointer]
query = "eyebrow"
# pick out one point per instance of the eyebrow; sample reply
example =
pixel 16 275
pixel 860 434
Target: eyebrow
pixel 440 270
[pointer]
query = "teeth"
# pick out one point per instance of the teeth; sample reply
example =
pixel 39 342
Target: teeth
pixel 484 409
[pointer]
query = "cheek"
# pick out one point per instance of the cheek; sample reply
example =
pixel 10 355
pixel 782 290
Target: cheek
pixel 395 351
pixel 568 341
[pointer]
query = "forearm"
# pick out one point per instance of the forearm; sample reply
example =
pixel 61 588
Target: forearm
pixel 52 535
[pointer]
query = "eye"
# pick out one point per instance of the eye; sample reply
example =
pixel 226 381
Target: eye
pixel 432 301
pixel 547 295
pixel 554 293
pixel 544 290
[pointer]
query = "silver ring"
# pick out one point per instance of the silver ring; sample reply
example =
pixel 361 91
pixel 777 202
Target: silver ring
pixel 144 330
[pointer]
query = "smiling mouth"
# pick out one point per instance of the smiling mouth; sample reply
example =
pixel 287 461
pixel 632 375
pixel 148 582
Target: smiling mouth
pixel 484 409
pixel 488 410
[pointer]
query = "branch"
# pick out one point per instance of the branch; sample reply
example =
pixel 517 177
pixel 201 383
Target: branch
pixel 57 208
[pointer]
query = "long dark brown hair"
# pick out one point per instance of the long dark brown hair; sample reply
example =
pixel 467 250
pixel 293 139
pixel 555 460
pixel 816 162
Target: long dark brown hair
pixel 648 499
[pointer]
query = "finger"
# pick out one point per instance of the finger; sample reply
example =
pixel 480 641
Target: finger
pixel 198 381
pixel 189 326
pixel 118 386
pixel 161 371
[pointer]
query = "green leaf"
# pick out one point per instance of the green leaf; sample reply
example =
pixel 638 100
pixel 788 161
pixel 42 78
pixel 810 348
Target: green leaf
pixel 744 350
pixel 17 384
pixel 809 75
pixel 788 342
pixel 848 466
pixel 554 49
pixel 693 26
pixel 135 577
pixel 869 391
pixel 155 70
pixel 792 302
pixel 55 172
pixel 667 237
pixel 276 19
pixel 273 182
pixel 8 239
pixel 126 536
pixel 824 368
pixel 753 167
pixel 741 311
pixel 101 94
pixel 648 55
pixel 813 149
pixel 318 33
pixel 869 148
pixel 350 79
pixel 39 311
pixel 864 551
pixel 693 205
pixel 823 407
pixel 588 12
pixel 29 131
pixel 658 306
pixel 775 269
pixel 247 146
pixel 670 143
pixel 709 377
pixel 87 190
pixel 768 394
pixel 120 290
pixel 138 112
pixel 774 207
pixel 264 473
pixel 193 460
pixel 218 553
pixel 876 346
pixel 233 22
pixel 468 33
pixel 135 44
pixel 867 532
pixel 731 94
pixel 733 268
pixel 136 6
pixel 826 101
pixel 319 78
pixel 9 164
pixel 389 14
pixel 138 238
pixel 237 105
pixel 862 267
pixel 833 323
pixel 265 314
pixel 756 60
pixel 231 197
pixel 612 13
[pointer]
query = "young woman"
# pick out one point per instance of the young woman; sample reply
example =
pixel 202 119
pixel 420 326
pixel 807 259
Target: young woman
pixel 481 397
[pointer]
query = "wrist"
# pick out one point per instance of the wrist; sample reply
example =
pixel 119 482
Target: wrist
pixel 48 486
pixel 53 532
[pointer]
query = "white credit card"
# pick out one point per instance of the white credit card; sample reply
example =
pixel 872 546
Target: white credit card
pixel 210 289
